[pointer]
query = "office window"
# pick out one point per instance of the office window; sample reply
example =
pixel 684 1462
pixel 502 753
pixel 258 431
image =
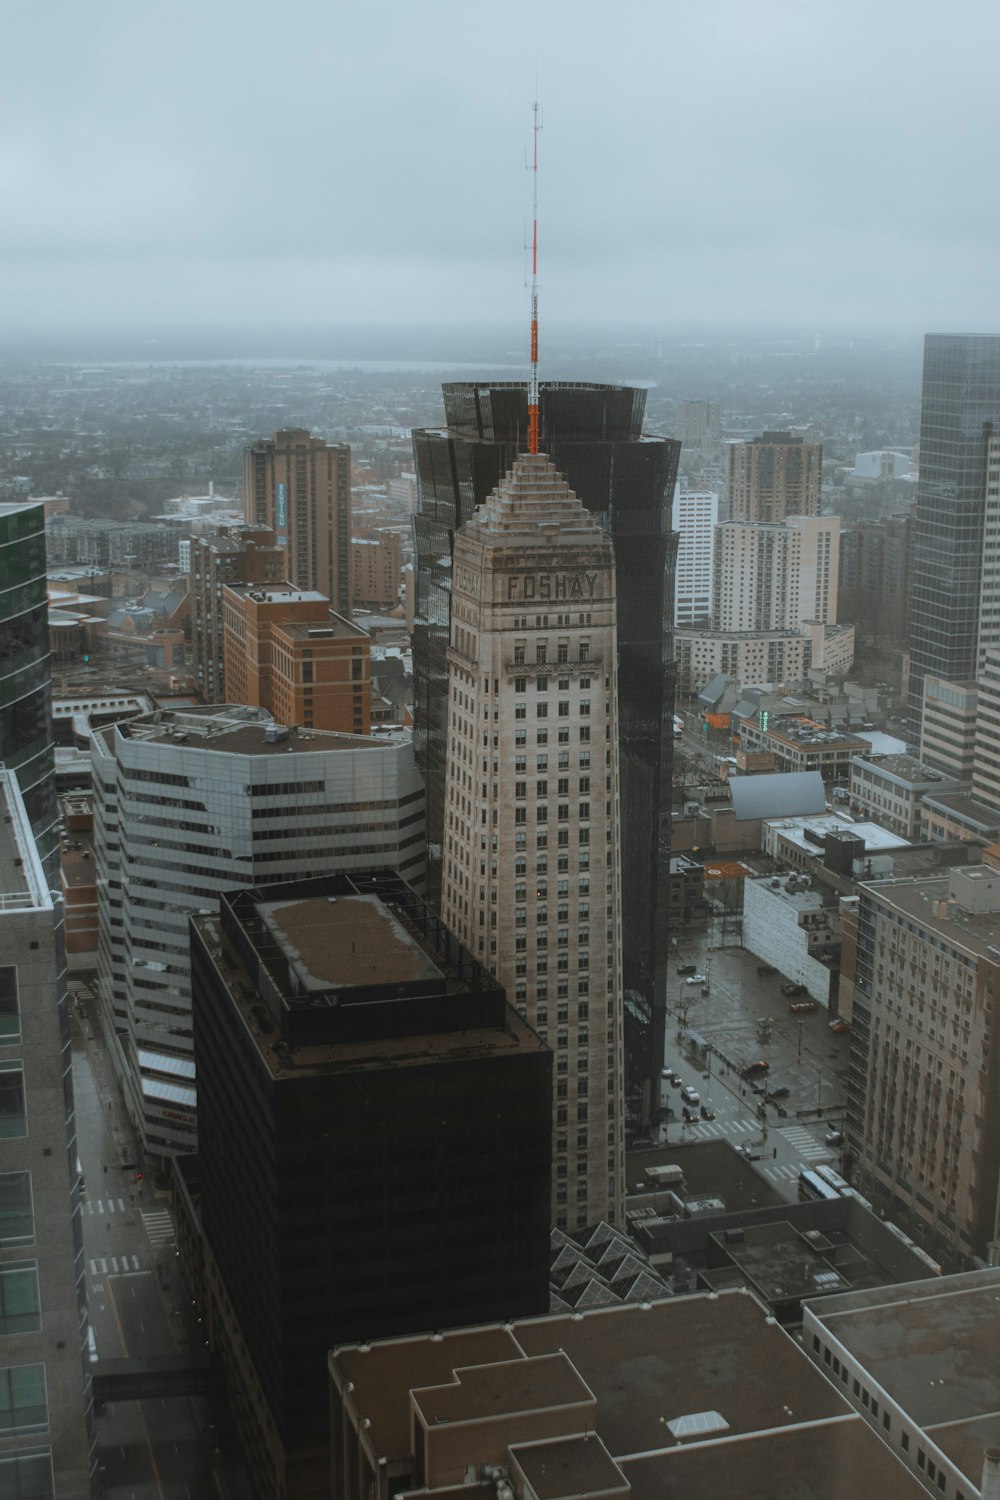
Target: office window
pixel 20 1309
pixel 27 1476
pixel 13 1120
pixel 24 1405
pixel 10 1018
pixel 17 1219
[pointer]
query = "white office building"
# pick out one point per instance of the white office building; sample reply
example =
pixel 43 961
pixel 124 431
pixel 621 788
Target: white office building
pixel 190 804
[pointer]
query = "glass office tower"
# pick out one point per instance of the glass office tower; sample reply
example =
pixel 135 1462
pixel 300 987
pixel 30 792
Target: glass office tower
pixel 593 434
pixel 26 742
pixel 960 408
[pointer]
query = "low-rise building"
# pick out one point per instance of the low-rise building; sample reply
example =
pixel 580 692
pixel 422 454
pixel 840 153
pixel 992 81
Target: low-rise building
pixel 891 790
pixel 664 1398
pixel 796 928
pixel 918 1365
pixel 803 744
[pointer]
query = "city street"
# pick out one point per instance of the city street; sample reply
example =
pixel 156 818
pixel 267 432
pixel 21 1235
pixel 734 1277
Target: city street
pixel 803 1054
pixel 156 1449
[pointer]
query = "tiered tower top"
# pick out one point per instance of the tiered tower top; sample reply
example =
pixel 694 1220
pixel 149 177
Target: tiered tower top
pixel 534 498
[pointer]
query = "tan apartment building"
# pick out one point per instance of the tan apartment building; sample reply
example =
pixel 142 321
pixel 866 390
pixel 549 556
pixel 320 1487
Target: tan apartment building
pixel 300 486
pixel 285 650
pixel 924 1081
pixel 774 476
pixel 376 566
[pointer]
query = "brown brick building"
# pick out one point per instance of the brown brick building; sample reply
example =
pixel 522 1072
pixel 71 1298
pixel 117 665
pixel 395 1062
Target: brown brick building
pixel 285 650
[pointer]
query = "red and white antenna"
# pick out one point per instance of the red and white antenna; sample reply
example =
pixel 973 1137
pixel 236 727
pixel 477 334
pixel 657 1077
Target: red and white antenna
pixel 533 378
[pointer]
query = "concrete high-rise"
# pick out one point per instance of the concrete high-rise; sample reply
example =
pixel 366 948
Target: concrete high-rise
pixel 26 739
pixel 696 514
pixel 370 1096
pixel 774 476
pixel 959 413
pixel 46 1413
pixel 774 605
pixel 300 487
pixel 593 434
pixel 191 804
pixel 531 872
pixel 777 576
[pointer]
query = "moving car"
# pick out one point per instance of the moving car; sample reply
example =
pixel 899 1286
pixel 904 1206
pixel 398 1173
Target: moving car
pixel 781 1092
pixel 834 1138
pixel 754 1068
pixel 790 988
pixel 690 1094
pixel 696 979
pixel 838 1026
pixel 706 1113
pixel 687 968
pixel 690 1116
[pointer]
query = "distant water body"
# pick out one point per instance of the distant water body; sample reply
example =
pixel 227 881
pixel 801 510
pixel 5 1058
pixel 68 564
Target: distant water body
pixel 364 366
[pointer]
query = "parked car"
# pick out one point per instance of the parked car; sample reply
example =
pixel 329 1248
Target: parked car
pixel 753 1069
pixel 690 1094
pixel 687 968
pixel 801 1007
pixel 781 1092
pixel 696 979
pixel 789 988
pixel 834 1138
pixel 838 1025
pixel 706 1113
pixel 765 970
pixel 690 1116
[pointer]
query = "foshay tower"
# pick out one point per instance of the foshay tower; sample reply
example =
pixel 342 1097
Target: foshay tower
pixel 531 867
pixel 593 435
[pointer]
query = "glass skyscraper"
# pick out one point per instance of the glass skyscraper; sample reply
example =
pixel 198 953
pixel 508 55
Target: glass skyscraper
pixel 593 435
pixel 960 409
pixel 26 741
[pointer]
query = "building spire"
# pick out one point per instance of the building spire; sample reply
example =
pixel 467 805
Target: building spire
pixel 533 379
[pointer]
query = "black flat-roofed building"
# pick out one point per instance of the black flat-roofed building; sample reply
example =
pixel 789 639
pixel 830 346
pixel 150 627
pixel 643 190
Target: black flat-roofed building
pixel 593 434
pixel 375 1152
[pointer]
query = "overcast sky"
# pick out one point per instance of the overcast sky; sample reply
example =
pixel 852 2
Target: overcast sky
pixel 712 161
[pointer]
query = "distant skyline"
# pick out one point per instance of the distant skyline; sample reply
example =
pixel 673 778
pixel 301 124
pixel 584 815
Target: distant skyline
pixel 801 164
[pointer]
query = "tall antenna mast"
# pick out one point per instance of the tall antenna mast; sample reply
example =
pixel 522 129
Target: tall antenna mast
pixel 533 379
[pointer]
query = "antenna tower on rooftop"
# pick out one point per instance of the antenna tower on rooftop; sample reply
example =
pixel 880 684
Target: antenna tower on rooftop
pixel 533 380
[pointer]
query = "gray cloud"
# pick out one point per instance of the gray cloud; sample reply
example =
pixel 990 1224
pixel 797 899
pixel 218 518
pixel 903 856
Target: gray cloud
pixel 791 160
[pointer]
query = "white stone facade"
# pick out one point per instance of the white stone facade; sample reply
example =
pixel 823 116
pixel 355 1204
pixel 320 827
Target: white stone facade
pixel 531 868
